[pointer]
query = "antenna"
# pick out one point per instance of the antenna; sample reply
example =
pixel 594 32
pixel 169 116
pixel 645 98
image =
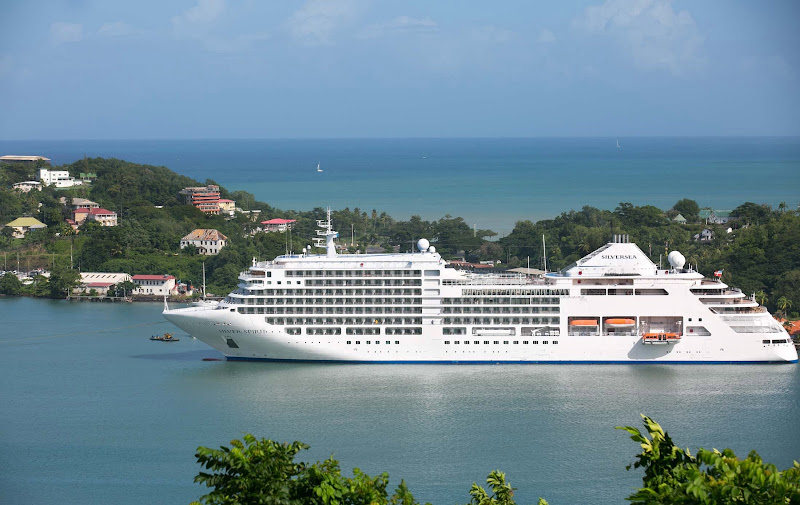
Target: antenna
pixel 544 253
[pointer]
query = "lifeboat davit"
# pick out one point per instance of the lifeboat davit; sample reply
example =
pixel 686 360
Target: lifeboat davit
pixel 619 322
pixel 583 322
pixel 661 338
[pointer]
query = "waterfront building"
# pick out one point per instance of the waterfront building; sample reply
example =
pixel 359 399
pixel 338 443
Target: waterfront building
pixel 207 241
pixel 278 225
pixel 205 198
pixel 103 216
pixel 12 158
pixel 100 281
pixel 156 285
pixel 23 225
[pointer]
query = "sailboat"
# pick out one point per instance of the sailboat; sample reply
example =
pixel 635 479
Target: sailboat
pixel 618 142
pixel 318 169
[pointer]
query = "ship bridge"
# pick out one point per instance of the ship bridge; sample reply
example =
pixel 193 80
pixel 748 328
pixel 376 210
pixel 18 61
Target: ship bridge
pixel 613 259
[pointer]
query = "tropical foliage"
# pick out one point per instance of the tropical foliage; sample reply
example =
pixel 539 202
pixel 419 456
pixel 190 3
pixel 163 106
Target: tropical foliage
pixel 260 471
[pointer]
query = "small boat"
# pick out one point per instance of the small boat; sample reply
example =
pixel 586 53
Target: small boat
pixel 661 338
pixel 167 337
pixel 619 322
pixel 318 169
pixel 583 322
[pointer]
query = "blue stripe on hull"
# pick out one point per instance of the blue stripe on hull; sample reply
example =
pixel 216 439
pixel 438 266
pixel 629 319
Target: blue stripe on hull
pixel 501 362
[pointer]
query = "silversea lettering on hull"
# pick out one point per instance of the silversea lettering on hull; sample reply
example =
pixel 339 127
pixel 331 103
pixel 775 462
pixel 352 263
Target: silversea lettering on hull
pixel 412 308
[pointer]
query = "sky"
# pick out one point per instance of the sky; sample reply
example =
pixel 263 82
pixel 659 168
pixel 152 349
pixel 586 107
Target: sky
pixel 185 69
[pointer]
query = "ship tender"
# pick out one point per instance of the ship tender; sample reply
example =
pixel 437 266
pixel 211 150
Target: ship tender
pixel 612 306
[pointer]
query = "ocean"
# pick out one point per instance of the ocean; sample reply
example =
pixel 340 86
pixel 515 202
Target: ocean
pixel 491 183
pixel 93 412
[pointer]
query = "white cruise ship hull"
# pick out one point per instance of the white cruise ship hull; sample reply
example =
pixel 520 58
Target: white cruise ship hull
pixel 256 340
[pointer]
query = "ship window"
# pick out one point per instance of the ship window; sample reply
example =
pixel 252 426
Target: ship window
pixel 457 342
pixel 358 342
pixel 534 342
pixel 525 342
pixel 555 341
pixel 396 341
pixel 505 341
pixel 516 341
pixel 446 341
pixel 433 273
pixel 349 341
pixel 388 342
pixel 781 341
pixel 233 345
pixel 485 342
pixel 765 341
pixel 699 318
pixel 496 342
pixel 544 342
pixel 369 341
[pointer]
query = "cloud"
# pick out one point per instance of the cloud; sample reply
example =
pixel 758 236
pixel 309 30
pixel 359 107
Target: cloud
pixel 203 13
pixel 651 30
pixel 116 29
pixel 237 44
pixel 546 36
pixel 400 24
pixel 66 32
pixel 317 21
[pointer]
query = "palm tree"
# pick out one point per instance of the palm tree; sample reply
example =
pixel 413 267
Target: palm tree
pixel 761 297
pixel 782 207
pixel 784 304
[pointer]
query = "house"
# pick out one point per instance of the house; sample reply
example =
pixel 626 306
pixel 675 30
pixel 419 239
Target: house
pixel 278 224
pixel 100 281
pixel 206 241
pixel 710 216
pixel 227 207
pixel 57 178
pixel 23 225
pixel 78 203
pixel 155 285
pixel 204 198
pixel 26 186
pixel 103 216
pixel 11 158
pixel 679 219
pixel 706 235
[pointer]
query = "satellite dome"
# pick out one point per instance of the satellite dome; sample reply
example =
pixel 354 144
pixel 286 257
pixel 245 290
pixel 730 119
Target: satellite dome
pixel 423 244
pixel 676 259
pixel 432 249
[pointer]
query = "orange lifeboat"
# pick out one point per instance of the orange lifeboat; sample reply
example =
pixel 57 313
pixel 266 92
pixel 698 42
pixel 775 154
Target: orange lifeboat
pixel 661 338
pixel 619 322
pixel 583 322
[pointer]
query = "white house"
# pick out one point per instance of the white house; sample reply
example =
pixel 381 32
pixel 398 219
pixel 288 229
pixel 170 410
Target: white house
pixel 57 178
pixel 156 285
pixel 206 241
pixel 26 186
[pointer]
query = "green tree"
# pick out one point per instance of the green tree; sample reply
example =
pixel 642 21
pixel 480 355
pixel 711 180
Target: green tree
pixel 761 297
pixel 62 280
pixel 502 492
pixel 10 284
pixel 688 208
pixel 673 476
pixel 258 471
pixel 784 304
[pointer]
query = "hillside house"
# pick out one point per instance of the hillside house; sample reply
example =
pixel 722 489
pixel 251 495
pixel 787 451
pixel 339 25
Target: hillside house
pixel 207 241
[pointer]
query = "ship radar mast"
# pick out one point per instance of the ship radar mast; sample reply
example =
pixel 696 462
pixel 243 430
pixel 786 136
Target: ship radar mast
pixel 327 235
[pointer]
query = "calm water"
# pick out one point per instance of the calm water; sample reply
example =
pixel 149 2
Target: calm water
pixel 490 182
pixel 93 412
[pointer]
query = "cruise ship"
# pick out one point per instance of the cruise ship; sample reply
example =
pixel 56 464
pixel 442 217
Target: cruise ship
pixel 612 306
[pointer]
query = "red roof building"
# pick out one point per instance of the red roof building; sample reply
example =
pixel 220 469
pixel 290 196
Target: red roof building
pixel 156 285
pixel 204 198
pixel 103 216
pixel 278 224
